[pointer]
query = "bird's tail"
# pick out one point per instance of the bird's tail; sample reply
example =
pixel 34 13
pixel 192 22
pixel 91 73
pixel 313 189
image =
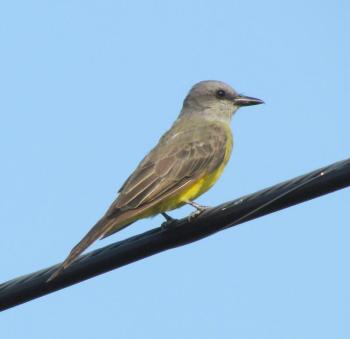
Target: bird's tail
pixel 96 232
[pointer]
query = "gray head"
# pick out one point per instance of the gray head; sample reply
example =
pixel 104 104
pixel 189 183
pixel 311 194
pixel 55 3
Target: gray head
pixel 215 100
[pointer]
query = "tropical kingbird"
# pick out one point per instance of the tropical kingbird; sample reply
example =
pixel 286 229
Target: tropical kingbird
pixel 185 163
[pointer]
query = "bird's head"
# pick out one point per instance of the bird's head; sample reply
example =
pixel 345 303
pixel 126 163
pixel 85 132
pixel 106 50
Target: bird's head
pixel 215 100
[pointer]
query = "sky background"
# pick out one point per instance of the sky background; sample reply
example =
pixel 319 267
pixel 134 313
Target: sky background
pixel 88 87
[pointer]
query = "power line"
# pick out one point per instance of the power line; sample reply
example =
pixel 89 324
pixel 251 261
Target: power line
pixel 294 191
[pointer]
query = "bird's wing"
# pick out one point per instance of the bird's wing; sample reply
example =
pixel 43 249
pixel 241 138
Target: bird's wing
pixel 179 159
pixel 182 157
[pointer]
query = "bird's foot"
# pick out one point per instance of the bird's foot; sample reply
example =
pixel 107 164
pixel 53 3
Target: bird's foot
pixel 169 223
pixel 199 210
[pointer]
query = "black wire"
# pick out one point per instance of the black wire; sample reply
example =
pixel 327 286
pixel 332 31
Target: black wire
pixel 181 232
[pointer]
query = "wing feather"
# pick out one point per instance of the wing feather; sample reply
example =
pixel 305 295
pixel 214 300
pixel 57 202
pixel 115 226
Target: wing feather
pixel 189 155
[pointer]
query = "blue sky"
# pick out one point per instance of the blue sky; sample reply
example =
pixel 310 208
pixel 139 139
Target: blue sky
pixel 88 87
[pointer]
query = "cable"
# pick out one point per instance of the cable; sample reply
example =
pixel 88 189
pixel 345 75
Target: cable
pixel 181 232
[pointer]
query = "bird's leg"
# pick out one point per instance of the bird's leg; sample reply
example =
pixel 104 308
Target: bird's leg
pixel 199 209
pixel 169 221
pixel 167 217
pixel 197 206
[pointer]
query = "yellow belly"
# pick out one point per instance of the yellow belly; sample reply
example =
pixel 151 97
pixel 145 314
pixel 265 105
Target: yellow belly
pixel 200 186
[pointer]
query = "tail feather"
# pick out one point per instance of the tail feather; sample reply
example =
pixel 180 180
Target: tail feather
pixel 113 230
pixel 96 232
pixel 113 221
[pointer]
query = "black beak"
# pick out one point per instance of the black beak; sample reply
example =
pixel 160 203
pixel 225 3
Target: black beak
pixel 242 100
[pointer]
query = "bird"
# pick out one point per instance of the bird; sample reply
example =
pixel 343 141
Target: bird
pixel 187 160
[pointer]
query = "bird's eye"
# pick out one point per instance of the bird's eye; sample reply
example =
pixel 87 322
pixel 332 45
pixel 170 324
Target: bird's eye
pixel 220 93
